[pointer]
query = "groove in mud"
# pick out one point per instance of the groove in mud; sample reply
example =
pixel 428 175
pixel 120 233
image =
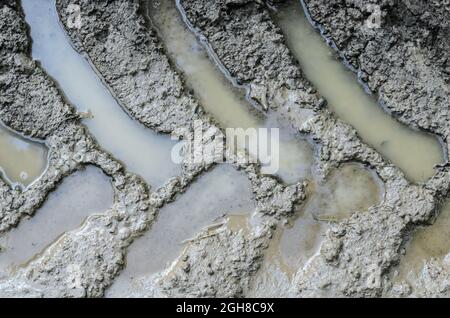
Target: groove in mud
pixel 80 195
pixel 141 150
pixel 22 161
pixel 222 191
pixel 227 105
pixel 224 257
pixel 414 152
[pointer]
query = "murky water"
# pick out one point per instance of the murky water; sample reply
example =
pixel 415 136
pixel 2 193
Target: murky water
pixel 221 191
pixel 142 150
pixel 415 153
pixel 430 242
pixel 349 190
pixel 228 106
pixel 22 161
pixel 292 245
pixel 238 222
pixel 83 193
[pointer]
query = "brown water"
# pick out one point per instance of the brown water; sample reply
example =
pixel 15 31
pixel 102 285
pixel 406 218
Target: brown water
pixel 349 190
pixel 429 242
pixel 221 191
pixel 224 190
pixel 239 223
pixel 83 193
pixel 22 161
pixel 226 103
pixel 414 152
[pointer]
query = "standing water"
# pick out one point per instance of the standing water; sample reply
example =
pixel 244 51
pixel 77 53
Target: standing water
pixel 218 97
pixel 224 190
pixel 414 152
pixel 427 243
pixel 349 190
pixel 142 150
pixel 22 161
pixel 80 195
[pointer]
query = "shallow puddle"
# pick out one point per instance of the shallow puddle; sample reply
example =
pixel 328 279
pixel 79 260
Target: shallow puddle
pixel 221 191
pixel 22 161
pixel 414 152
pixel 141 150
pixel 429 242
pixel 349 190
pixel 81 194
pixel 228 106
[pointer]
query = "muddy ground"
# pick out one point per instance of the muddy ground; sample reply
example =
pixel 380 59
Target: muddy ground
pixel 405 62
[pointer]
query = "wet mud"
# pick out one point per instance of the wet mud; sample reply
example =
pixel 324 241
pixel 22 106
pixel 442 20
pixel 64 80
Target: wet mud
pixel 346 218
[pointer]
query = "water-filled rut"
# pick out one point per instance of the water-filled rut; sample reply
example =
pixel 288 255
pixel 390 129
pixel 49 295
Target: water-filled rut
pixel 142 150
pixel 414 152
pixel 22 161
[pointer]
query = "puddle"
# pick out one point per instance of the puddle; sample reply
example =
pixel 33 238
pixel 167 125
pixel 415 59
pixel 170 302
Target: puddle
pixel 291 247
pixel 349 190
pixel 429 242
pixel 221 191
pixel 414 152
pixel 22 161
pixel 81 194
pixel 296 243
pixel 226 103
pixel 141 149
